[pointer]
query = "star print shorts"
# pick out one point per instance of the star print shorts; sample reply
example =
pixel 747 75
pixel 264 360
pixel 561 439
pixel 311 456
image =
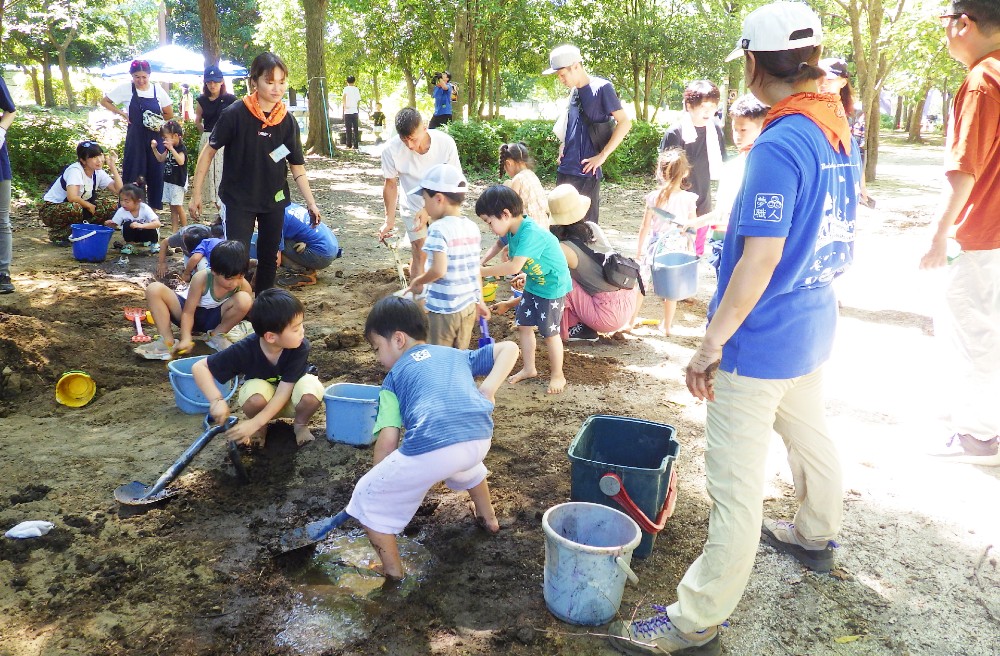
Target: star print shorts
pixel 543 313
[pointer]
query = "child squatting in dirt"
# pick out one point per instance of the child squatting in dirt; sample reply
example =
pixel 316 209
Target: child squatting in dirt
pixel 430 390
pixel 273 360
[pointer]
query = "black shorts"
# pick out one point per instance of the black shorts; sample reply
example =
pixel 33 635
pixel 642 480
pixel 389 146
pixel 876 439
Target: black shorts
pixel 543 313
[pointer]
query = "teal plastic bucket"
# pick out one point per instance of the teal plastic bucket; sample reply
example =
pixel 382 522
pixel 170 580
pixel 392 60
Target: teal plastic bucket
pixel 641 453
pixel 90 241
pixel 675 276
pixel 588 549
pixel 350 413
pixel 187 394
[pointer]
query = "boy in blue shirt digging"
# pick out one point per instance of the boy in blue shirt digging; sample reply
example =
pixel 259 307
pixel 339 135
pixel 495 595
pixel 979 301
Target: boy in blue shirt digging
pixel 429 390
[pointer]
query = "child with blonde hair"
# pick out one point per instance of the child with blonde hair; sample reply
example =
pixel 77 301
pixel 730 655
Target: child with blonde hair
pixel 670 209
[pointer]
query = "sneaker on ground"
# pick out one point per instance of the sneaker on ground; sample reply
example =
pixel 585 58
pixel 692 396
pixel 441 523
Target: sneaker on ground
pixel 154 248
pixel 6 286
pixel 127 249
pixel 582 333
pixel 817 555
pixel 966 449
pixel 658 635
pixel 155 350
pixel 239 331
pixel 218 342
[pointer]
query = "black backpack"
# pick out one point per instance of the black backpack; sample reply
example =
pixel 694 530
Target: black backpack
pixel 619 271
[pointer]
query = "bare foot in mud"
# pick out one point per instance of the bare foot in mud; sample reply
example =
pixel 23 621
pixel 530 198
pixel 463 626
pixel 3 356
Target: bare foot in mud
pixel 522 375
pixel 302 434
pixel 556 385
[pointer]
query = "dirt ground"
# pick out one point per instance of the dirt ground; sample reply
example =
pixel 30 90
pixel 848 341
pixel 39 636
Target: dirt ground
pixel 198 574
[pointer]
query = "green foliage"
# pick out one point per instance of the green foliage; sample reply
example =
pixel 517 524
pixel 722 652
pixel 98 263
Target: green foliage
pixel 191 140
pixel 479 142
pixel 886 121
pixel 637 154
pixel 42 143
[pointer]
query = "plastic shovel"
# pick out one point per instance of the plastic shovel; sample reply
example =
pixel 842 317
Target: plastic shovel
pixel 394 247
pixel 137 315
pixel 611 485
pixel 484 329
pixel 312 532
pixel 140 494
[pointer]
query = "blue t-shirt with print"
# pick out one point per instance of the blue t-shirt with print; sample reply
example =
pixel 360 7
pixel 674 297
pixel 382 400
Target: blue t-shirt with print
pixel 439 403
pixel 442 100
pixel 206 247
pixel 7 105
pixel 598 99
pixel 546 269
pixel 798 188
pixel 297 227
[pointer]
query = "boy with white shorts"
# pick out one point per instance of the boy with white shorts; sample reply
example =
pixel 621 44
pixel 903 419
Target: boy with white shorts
pixel 429 390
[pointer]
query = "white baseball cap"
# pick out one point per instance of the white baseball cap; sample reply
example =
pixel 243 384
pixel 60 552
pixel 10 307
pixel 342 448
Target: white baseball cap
pixel 442 177
pixel 779 26
pixel 562 57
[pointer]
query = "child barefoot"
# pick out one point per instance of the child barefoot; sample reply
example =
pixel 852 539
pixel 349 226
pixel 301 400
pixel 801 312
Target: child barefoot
pixel 273 360
pixel 537 253
pixel 431 392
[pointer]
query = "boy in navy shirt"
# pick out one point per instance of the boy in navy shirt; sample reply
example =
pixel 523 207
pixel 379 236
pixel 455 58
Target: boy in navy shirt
pixel 431 392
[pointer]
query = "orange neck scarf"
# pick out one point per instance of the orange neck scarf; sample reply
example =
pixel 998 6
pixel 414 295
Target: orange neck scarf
pixel 823 109
pixel 277 112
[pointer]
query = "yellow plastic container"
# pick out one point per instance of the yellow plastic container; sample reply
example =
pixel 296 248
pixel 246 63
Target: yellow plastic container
pixel 75 389
pixel 489 292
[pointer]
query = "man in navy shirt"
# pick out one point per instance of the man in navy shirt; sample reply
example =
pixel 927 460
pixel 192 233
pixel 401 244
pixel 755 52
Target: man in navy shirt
pixel 593 101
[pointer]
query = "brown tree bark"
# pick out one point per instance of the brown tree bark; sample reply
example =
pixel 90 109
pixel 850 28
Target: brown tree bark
pixel 50 96
pixel 210 32
pixel 32 74
pixel 459 62
pixel 319 139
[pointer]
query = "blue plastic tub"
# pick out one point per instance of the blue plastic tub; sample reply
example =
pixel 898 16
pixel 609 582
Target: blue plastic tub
pixel 187 395
pixel 350 413
pixel 675 276
pixel 90 241
pixel 588 550
pixel 641 453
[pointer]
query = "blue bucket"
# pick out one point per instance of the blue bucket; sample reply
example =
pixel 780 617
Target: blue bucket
pixel 641 453
pixel 588 551
pixel 90 241
pixel 675 276
pixel 350 413
pixel 187 395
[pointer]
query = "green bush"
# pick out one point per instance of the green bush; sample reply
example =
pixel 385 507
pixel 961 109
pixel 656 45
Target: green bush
pixel 191 140
pixel 479 142
pixel 42 142
pixel 887 122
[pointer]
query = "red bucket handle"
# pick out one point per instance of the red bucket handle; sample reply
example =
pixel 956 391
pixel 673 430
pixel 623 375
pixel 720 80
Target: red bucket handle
pixel 611 484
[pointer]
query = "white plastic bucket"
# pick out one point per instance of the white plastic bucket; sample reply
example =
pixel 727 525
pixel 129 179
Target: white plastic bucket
pixel 588 549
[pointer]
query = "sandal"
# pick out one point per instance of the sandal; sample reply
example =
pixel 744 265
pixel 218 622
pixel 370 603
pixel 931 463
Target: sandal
pixel 295 280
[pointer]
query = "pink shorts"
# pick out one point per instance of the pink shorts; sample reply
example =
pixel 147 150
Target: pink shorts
pixel 387 497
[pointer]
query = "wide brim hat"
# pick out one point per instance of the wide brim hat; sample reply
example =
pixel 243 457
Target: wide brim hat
pixel 779 26
pixel 567 206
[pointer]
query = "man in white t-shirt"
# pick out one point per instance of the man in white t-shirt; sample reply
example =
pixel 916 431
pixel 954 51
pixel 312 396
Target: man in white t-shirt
pixel 406 159
pixel 350 102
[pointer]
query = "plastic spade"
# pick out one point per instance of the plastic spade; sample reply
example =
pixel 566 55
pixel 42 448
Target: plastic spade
pixel 484 329
pixel 137 315
pixel 312 532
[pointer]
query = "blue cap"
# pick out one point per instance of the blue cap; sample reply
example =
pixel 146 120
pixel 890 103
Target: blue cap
pixel 213 74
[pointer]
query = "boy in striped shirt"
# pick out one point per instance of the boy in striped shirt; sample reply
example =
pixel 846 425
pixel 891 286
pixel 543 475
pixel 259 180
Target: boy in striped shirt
pixel 454 294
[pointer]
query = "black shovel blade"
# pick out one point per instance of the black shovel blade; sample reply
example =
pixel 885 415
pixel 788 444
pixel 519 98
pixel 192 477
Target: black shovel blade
pixel 135 494
pixel 312 532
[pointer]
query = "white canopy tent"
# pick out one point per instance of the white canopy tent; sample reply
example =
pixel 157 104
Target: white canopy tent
pixel 173 63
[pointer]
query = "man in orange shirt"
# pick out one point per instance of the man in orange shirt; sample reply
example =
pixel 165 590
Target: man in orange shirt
pixel 972 170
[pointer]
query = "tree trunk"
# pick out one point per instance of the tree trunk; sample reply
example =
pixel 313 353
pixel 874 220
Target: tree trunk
pixel 50 96
pixel 899 112
pixel 411 84
pixel 872 128
pixel 32 73
pixel 376 90
pixel 67 83
pixel 471 82
pixel 917 119
pixel 161 23
pixel 461 40
pixel 319 138
pixel 210 32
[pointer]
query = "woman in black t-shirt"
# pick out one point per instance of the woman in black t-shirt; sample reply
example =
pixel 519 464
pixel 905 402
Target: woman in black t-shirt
pixel 209 105
pixel 262 143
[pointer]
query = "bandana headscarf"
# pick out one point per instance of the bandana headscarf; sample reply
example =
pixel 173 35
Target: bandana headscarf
pixel 277 113
pixel 823 109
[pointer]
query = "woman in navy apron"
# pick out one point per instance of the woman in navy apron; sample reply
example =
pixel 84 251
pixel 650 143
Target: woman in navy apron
pixel 139 158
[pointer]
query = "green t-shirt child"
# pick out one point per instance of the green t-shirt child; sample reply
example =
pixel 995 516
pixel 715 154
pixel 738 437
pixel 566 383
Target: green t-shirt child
pixel 547 272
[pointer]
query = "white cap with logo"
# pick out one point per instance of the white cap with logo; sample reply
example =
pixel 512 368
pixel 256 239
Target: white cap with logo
pixel 779 26
pixel 562 57
pixel 442 178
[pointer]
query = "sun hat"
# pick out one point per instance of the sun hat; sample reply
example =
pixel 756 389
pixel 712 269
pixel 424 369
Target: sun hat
pixel 561 57
pixel 779 26
pixel 834 67
pixel 442 178
pixel 75 389
pixel 567 206
pixel 213 74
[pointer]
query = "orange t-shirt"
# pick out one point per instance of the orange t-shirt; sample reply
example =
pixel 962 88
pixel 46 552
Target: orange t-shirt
pixel 973 146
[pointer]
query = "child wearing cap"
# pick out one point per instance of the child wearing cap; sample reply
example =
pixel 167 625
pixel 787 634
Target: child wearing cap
pixel 454 290
pixel 537 253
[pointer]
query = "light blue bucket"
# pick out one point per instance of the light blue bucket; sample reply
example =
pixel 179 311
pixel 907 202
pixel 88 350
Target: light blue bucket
pixel 588 549
pixel 675 276
pixel 187 395
pixel 350 413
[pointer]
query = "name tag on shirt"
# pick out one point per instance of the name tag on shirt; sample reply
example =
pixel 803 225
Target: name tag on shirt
pixel 280 153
